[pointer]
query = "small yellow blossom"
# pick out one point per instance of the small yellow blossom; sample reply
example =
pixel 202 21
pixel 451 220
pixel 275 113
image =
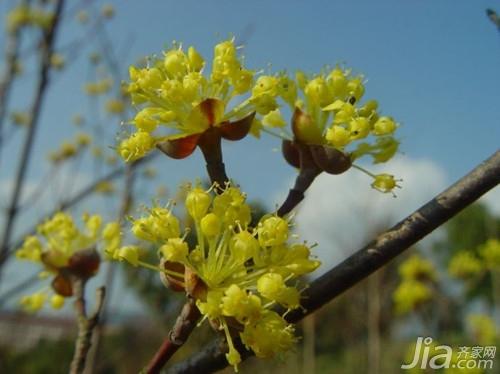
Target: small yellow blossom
pixel 115 106
pixel 484 329
pixel 82 16
pixel 57 61
pixel 409 295
pixel 57 301
pixel 20 118
pixel 490 252
pixel 416 267
pixel 465 264
pixel 98 88
pixel 385 183
pixel 108 11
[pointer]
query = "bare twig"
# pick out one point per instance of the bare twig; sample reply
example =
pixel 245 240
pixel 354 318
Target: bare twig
pixel 46 53
pixel 184 325
pixel 126 203
pixel 373 256
pixel 85 324
pixel 11 59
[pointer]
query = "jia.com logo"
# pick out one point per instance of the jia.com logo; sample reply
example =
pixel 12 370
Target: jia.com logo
pixel 434 356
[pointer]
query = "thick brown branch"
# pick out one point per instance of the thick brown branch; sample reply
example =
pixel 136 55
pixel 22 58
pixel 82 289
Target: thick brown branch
pixel 184 325
pixel 86 324
pixel 374 255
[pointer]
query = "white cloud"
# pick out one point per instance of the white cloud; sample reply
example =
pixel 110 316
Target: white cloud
pixel 492 200
pixel 343 212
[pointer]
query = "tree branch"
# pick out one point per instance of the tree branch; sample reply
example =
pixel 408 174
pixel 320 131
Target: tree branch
pixel 86 324
pixel 47 46
pixel 373 256
pixel 11 59
pixel 184 325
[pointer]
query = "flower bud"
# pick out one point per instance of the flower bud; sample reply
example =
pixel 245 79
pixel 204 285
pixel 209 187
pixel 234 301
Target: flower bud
pixel 129 254
pixel 197 203
pixel 57 301
pixel 272 231
pixel 210 225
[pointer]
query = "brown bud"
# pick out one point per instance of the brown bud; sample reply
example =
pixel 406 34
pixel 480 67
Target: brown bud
pixel 176 284
pixel 84 264
pixel 62 285
pixel 237 130
pixel 194 285
pixel 179 148
pixel 330 159
pixel 291 153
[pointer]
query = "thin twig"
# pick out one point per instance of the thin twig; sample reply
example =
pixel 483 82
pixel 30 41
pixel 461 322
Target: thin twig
pixel 46 53
pixel 86 324
pixel 125 204
pixel 11 59
pixel 184 325
pixel 371 257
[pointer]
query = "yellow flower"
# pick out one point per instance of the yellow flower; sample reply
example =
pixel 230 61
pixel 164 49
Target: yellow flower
pixel 464 265
pixel 99 87
pixel 115 106
pixel 409 295
pixel 57 61
pixel 57 301
pixel 490 252
pixel 20 118
pixel 269 335
pixel 484 329
pixel 385 183
pixel 136 147
pixel 418 268
pixel 108 11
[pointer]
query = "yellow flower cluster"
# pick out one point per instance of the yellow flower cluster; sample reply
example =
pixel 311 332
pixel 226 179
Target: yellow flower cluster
pixel 465 264
pixel 98 87
pixel 57 246
pixel 115 106
pixel 20 118
pixel 57 61
pixel 417 275
pixel 490 253
pixel 24 15
pixel 242 272
pixel 484 329
pixel 69 149
pixel 171 89
pixel 331 102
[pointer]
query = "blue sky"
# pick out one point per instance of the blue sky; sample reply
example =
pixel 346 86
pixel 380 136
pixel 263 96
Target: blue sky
pixel 432 65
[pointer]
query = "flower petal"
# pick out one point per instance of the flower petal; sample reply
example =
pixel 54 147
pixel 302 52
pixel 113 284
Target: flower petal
pixel 237 130
pixel 62 286
pixel 330 159
pixel 304 129
pixel 291 153
pixel 181 147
